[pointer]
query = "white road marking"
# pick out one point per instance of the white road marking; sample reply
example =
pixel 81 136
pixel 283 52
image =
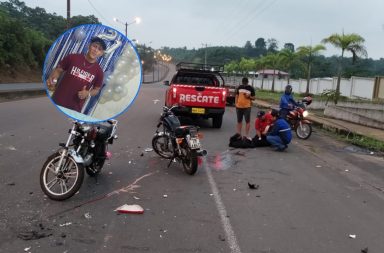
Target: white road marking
pixel 229 233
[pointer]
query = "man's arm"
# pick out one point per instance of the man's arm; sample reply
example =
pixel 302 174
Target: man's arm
pixel 266 130
pixel 253 96
pixel 84 93
pixel 53 77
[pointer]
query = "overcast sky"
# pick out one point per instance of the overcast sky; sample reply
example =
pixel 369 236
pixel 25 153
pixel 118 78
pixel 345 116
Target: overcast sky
pixel 192 23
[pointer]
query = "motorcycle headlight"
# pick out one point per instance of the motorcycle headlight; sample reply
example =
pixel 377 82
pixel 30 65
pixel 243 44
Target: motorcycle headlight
pixel 305 113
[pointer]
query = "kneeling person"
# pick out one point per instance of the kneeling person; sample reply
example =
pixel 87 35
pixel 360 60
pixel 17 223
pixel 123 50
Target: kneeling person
pixel 281 135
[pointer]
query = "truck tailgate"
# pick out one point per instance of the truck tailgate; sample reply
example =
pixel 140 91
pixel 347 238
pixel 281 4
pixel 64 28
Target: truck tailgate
pixel 199 96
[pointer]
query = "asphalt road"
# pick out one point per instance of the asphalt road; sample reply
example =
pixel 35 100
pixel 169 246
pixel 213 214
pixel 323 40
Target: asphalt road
pixel 312 198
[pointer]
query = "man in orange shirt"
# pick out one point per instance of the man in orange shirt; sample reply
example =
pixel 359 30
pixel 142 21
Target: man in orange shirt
pixel 245 93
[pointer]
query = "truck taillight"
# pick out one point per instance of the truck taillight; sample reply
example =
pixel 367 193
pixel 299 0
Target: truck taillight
pixel 224 95
pixel 174 92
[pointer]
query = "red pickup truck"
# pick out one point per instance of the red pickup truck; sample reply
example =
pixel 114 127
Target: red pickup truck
pixel 199 90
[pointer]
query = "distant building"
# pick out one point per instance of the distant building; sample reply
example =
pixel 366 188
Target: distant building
pixel 268 73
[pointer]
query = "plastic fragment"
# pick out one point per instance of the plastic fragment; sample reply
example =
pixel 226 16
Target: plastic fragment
pixel 66 224
pixel 134 209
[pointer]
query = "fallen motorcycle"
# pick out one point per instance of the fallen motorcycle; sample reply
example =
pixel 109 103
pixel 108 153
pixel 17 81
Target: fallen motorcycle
pixel 86 149
pixel 297 119
pixel 177 142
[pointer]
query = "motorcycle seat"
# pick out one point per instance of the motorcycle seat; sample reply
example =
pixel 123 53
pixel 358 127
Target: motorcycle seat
pixel 104 130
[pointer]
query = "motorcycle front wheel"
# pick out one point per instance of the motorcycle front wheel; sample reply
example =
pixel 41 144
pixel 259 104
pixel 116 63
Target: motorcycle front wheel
pixel 190 161
pixel 162 145
pixel 66 182
pixel 303 131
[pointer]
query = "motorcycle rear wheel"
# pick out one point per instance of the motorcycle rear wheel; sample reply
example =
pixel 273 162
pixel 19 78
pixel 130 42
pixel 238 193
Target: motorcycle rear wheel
pixel 304 131
pixel 66 182
pixel 190 161
pixel 161 144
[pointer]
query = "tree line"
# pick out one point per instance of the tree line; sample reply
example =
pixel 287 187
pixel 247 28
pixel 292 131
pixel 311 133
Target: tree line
pixel 304 62
pixel 27 34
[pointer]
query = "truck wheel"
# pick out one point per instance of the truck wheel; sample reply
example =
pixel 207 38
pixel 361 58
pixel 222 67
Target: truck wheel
pixel 217 121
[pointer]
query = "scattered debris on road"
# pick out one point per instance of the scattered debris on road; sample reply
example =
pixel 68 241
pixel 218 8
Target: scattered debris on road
pixel 87 216
pixel 221 238
pixel 34 235
pixel 134 209
pixel 352 236
pixel 66 224
pixel 240 153
pixel 253 186
pixel 148 149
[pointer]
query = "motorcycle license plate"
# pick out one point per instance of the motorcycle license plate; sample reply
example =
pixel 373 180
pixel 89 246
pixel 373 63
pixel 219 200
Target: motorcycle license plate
pixel 198 110
pixel 194 143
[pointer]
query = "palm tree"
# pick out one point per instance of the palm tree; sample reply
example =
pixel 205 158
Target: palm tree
pixel 346 42
pixel 308 53
pixel 272 60
pixel 260 64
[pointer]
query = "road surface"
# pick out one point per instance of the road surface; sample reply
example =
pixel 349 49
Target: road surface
pixel 319 196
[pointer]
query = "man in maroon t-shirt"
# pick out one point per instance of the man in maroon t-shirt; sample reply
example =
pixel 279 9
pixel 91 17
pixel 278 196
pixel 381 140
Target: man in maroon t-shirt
pixel 82 77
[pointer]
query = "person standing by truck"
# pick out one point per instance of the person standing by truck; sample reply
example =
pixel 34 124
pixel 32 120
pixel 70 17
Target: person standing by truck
pixel 245 93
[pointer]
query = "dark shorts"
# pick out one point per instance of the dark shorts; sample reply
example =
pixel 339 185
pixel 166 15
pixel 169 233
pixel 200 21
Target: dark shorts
pixel 243 112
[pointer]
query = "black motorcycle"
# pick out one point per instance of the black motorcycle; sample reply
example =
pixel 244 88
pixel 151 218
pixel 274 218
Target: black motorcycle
pixel 86 149
pixel 177 142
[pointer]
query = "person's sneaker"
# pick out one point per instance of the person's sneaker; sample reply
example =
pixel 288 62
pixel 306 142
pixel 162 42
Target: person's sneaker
pixel 246 137
pixel 280 149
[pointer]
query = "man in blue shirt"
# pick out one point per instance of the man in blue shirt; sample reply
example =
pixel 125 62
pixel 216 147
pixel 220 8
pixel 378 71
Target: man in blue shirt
pixel 281 135
pixel 287 102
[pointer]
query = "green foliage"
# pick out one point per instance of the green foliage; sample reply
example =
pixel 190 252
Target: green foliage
pixel 366 142
pixel 27 33
pixel 20 46
pixel 146 56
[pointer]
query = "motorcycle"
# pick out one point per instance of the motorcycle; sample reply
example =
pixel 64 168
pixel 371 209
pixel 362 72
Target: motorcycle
pixel 177 142
pixel 86 149
pixel 297 119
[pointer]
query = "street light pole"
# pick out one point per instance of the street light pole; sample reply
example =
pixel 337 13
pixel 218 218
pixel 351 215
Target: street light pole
pixel 68 13
pixel 137 21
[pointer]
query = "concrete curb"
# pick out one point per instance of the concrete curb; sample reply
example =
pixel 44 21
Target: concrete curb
pixel 20 94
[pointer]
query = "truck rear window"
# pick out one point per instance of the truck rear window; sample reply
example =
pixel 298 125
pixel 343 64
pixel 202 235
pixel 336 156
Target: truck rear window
pixel 195 80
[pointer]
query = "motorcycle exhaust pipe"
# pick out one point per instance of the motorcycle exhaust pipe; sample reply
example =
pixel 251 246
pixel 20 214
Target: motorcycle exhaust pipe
pixel 202 152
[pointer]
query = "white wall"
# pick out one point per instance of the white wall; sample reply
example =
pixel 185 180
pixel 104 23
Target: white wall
pixel 355 87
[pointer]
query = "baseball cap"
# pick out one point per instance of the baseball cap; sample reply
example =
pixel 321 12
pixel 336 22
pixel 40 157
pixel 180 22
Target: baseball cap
pixel 99 41
pixel 260 114
pixel 275 113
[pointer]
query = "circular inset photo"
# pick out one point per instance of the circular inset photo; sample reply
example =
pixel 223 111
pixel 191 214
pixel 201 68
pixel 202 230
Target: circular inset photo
pixel 92 73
